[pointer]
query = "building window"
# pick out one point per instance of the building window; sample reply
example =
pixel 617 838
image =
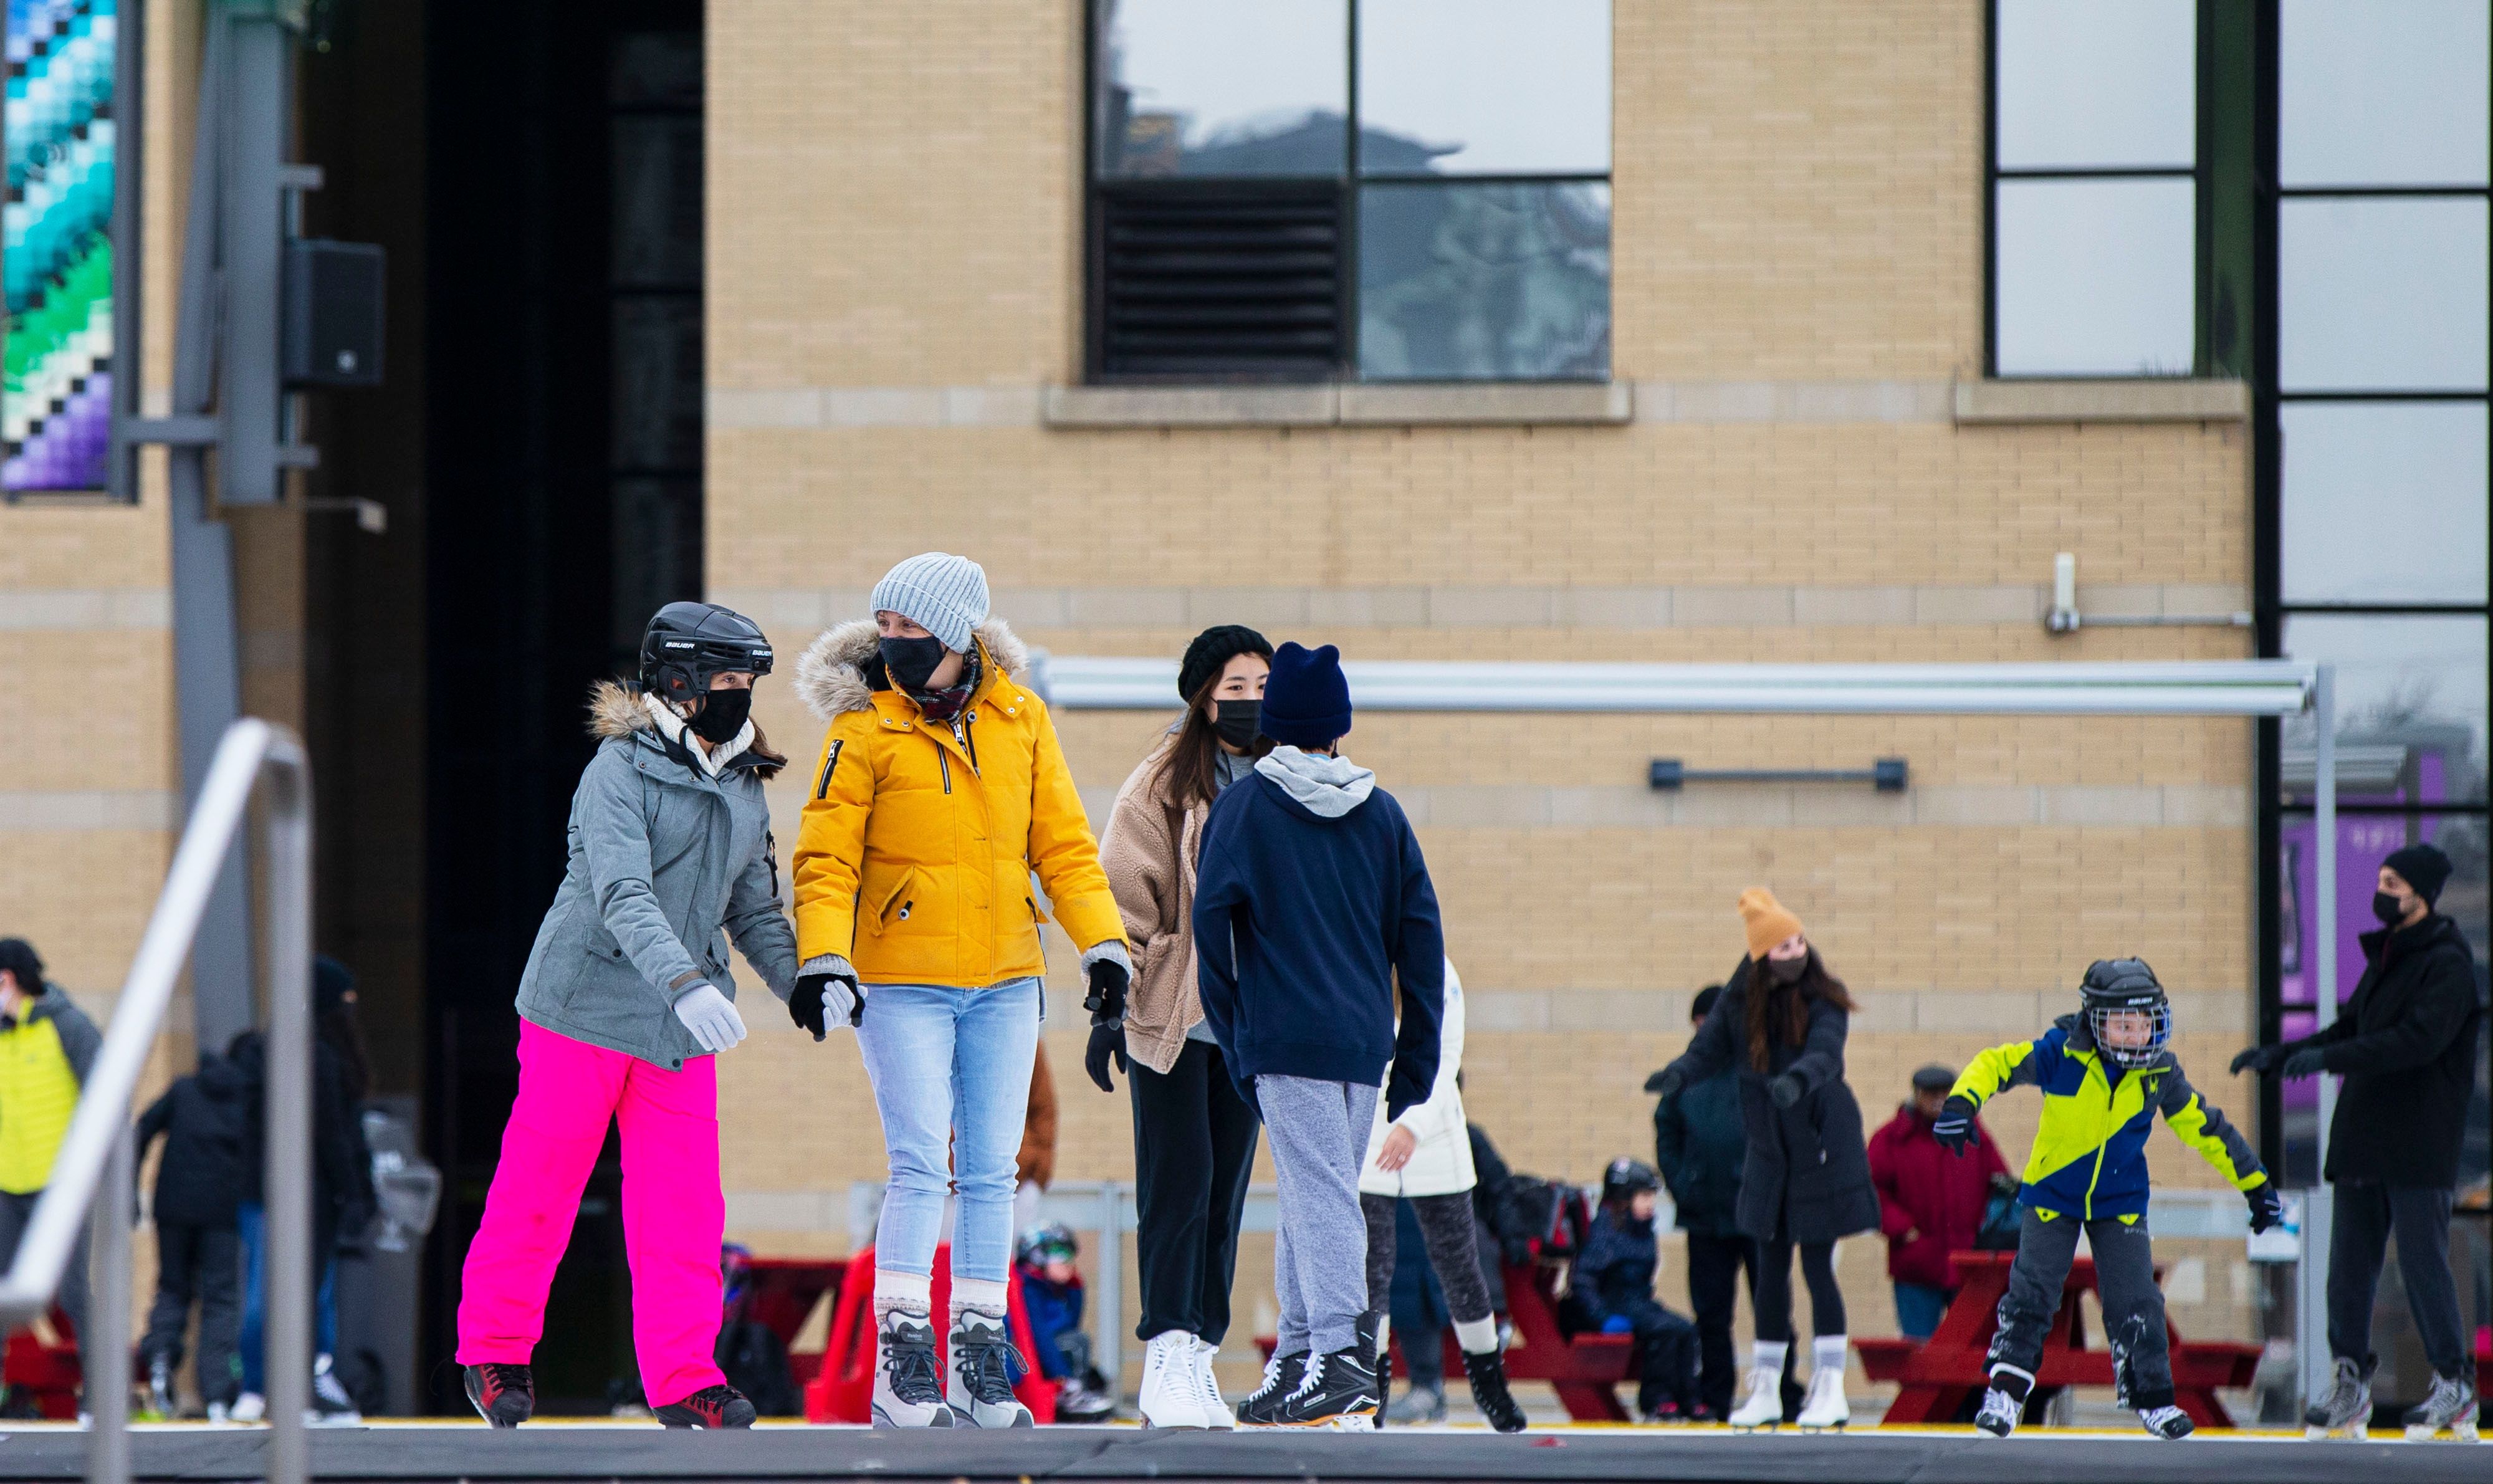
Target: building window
pixel 1379 190
pixel 2094 191
pixel 2376 491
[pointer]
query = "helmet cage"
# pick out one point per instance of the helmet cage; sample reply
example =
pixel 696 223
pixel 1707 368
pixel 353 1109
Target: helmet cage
pixel 2159 1012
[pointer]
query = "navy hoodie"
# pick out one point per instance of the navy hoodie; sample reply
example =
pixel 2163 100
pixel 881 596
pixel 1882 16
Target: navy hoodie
pixel 1304 917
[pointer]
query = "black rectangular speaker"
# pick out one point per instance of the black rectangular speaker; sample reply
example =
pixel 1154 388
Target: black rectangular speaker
pixel 333 310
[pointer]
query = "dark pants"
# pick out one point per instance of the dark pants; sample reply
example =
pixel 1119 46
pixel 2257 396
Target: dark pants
pixel 15 1211
pixel 2133 1305
pixel 1773 1288
pixel 2362 1216
pixel 1195 1150
pixel 1714 1280
pixel 202 1263
pixel 1666 1349
pixel 1454 1252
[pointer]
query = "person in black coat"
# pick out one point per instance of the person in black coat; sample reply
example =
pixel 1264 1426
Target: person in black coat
pixel 2405 1044
pixel 1805 1181
pixel 1700 1142
pixel 198 1248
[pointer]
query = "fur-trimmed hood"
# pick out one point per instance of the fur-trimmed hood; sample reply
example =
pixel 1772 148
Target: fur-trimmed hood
pixel 616 710
pixel 842 669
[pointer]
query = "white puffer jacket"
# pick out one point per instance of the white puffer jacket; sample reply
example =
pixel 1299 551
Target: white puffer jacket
pixel 1442 1164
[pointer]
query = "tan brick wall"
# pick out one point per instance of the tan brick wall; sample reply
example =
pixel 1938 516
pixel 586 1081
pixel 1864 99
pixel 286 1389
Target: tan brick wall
pixel 1799 198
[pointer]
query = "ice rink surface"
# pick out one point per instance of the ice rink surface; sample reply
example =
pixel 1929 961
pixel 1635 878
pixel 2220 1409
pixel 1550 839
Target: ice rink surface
pixel 602 1450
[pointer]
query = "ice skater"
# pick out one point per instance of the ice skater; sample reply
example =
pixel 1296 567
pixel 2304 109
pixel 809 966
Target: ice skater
pixel 2105 1072
pixel 625 1005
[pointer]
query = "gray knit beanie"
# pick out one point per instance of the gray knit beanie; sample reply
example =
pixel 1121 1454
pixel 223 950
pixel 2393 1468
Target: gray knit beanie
pixel 944 594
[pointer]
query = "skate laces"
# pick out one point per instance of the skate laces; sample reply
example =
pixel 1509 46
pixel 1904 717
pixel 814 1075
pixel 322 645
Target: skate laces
pixel 1313 1381
pixel 1271 1381
pixel 908 1364
pixel 501 1377
pixel 985 1358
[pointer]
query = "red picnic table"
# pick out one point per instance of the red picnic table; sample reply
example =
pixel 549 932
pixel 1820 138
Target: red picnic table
pixel 1942 1372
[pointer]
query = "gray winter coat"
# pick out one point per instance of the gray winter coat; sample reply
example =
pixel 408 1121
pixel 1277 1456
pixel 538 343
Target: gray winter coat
pixel 667 864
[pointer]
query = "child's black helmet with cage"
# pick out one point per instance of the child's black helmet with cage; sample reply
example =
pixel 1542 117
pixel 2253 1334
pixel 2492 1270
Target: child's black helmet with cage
pixel 2114 994
pixel 1626 1177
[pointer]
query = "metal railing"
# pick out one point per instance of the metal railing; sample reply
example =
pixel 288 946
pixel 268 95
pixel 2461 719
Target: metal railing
pixel 96 1157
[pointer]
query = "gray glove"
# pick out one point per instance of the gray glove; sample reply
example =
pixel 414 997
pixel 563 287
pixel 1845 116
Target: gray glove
pixel 710 1017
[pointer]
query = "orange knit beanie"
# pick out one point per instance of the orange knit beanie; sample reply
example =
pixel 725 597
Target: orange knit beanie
pixel 1767 921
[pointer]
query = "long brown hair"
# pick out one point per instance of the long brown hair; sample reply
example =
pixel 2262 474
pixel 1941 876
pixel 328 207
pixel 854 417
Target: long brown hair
pixel 1190 770
pixel 1780 1012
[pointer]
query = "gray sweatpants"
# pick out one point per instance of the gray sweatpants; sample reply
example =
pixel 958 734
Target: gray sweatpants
pixel 1319 1133
pixel 2133 1305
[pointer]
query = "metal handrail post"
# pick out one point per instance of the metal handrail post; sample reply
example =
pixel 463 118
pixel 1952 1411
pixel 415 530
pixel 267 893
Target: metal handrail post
pixel 105 1344
pixel 287 1274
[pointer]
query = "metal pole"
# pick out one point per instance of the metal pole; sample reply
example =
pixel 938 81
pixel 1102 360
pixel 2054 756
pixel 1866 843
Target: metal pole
pixel 105 1345
pixel 129 208
pixel 2311 1322
pixel 251 216
pixel 1110 1336
pixel 288 1277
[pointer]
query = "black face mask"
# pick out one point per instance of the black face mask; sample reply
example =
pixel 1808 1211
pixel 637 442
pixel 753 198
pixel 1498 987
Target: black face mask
pixel 2391 910
pixel 1788 971
pixel 722 715
pixel 911 662
pixel 1237 722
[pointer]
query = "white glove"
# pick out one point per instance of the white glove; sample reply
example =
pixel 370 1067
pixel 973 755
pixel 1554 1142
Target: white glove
pixel 840 995
pixel 710 1016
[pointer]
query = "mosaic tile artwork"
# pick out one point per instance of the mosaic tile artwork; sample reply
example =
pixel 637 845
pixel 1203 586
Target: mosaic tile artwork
pixel 56 244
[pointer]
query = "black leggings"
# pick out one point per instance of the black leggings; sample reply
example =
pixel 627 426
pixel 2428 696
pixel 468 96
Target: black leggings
pixel 1447 1230
pixel 1773 1288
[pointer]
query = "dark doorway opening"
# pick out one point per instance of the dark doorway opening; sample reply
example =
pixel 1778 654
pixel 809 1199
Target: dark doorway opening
pixel 563 456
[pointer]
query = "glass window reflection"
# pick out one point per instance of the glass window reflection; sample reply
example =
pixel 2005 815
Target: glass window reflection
pixel 2095 83
pixel 2096 276
pixel 1485 282
pixel 2382 94
pixel 2384 502
pixel 2411 705
pixel 1456 87
pixel 2380 295
pixel 1213 87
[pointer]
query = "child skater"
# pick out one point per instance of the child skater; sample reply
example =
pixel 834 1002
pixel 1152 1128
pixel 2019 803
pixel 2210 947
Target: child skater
pixel 2105 1074
pixel 625 1001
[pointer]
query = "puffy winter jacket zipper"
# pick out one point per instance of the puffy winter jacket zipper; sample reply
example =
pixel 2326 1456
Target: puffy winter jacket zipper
pixel 947 768
pixel 965 731
pixel 2103 1141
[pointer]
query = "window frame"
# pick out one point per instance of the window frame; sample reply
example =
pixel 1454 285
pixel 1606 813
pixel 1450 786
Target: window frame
pixel 1346 187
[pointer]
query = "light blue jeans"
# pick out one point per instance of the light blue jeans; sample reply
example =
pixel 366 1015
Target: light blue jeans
pixel 950 1069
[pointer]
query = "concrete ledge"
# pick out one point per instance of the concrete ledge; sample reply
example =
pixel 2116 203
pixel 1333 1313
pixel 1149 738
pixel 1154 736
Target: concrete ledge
pixel 2135 399
pixel 1331 405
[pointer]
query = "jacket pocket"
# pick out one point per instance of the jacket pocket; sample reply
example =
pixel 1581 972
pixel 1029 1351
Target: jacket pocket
pixel 885 895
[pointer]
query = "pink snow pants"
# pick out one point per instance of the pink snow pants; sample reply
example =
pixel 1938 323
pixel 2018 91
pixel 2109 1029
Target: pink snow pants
pixel 673 1214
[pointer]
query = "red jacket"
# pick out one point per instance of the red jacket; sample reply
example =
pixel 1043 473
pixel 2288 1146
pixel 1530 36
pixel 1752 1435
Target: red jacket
pixel 1937 1195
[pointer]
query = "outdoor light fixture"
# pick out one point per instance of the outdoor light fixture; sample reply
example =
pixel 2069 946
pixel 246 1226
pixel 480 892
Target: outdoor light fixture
pixel 1887 774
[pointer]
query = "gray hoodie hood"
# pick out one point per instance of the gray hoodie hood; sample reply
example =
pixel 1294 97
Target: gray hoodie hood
pixel 1325 786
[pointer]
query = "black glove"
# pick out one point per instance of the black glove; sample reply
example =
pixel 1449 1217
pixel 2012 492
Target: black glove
pixel 1107 1000
pixel 1787 1089
pixel 1954 1126
pixel 2261 1060
pixel 1666 1082
pixel 2308 1062
pixel 811 1001
pixel 2268 1207
pixel 1106 1040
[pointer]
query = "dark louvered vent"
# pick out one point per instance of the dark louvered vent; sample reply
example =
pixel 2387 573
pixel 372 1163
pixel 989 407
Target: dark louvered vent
pixel 1242 280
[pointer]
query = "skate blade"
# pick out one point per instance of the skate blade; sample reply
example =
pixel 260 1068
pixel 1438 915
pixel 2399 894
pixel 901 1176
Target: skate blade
pixel 1821 1426
pixel 1755 1427
pixel 2418 1433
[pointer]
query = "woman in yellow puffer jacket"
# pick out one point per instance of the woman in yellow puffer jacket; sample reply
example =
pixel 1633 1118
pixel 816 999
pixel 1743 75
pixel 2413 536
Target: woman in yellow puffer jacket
pixel 939 790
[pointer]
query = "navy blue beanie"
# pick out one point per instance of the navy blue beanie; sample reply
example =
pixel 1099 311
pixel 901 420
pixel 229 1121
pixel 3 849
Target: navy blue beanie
pixel 1307 703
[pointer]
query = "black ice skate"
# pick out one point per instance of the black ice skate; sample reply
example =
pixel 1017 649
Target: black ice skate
pixel 711 1406
pixel 1262 1405
pixel 504 1396
pixel 1486 1373
pixel 1337 1390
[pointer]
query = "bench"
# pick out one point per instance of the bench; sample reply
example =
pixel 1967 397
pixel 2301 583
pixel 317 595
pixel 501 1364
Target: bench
pixel 1940 1375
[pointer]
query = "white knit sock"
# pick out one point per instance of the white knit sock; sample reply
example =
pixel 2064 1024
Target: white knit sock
pixel 1827 1353
pixel 1477 1337
pixel 985 1295
pixel 912 1291
pixel 1769 1355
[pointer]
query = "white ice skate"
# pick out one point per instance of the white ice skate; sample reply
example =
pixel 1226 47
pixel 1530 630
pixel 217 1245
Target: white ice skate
pixel 2345 1408
pixel 1764 1406
pixel 1171 1396
pixel 2450 1408
pixel 907 1391
pixel 1824 1406
pixel 2000 1414
pixel 1217 1415
pixel 979 1390
pixel 2170 1423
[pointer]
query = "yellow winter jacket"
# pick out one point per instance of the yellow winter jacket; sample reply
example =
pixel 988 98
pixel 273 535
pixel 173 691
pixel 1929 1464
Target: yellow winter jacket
pixel 915 851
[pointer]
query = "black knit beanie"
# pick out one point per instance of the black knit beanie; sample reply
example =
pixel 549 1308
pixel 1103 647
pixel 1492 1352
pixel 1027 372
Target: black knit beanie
pixel 19 958
pixel 1212 648
pixel 2424 867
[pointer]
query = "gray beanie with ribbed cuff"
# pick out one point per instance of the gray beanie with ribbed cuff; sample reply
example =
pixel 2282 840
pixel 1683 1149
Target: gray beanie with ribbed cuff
pixel 944 594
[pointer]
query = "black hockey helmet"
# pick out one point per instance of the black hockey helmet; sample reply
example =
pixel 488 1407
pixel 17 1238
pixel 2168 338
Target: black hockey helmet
pixel 1625 1177
pixel 2122 986
pixel 688 643
pixel 1047 1243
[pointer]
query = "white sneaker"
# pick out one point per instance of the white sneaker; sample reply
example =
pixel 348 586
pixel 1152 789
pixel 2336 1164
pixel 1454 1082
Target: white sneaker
pixel 1764 1406
pixel 1823 1405
pixel 249 1406
pixel 1217 1415
pixel 1171 1396
pixel 218 1414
